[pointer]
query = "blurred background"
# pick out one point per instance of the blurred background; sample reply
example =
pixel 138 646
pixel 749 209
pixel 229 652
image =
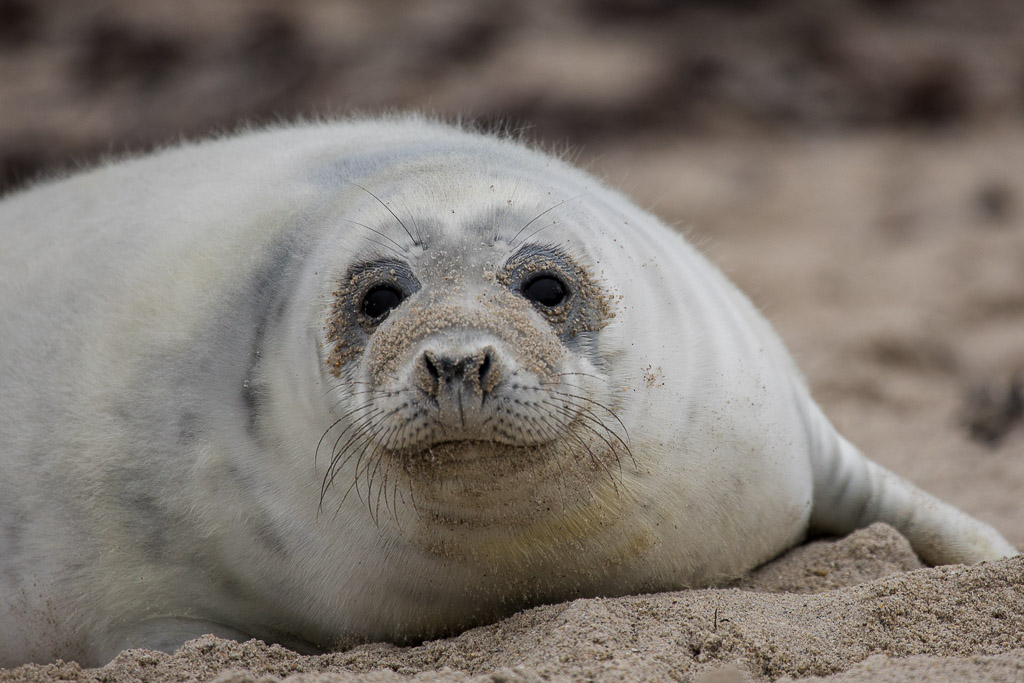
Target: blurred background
pixel 856 166
pixel 81 79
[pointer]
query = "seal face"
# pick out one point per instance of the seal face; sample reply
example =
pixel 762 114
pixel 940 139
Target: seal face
pixel 386 380
pixel 465 362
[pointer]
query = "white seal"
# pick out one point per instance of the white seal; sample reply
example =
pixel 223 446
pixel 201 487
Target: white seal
pixel 386 380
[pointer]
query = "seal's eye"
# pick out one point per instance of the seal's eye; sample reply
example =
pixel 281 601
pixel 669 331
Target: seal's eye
pixel 379 301
pixel 545 290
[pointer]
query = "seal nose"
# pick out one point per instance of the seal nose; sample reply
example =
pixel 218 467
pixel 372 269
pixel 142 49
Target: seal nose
pixel 440 372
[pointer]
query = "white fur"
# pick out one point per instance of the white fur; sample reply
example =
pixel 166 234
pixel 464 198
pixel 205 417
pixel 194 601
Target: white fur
pixel 133 493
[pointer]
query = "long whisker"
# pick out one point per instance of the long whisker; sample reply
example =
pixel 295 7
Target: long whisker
pixel 340 456
pixel 407 232
pixel 576 374
pixel 542 213
pixel 400 250
pixel 593 457
pixel 581 413
pixel 368 447
pixel 591 401
pixel 507 212
pixel 585 412
pixel 541 425
pixel 353 412
pixel 367 467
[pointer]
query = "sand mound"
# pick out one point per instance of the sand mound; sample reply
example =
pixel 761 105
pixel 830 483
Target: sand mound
pixel 847 610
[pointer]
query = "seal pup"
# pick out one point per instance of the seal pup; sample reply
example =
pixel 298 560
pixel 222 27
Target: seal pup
pixel 386 380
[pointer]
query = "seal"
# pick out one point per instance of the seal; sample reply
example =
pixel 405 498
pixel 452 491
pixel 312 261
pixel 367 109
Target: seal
pixel 386 379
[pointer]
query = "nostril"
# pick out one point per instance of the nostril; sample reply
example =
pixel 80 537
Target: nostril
pixel 485 365
pixel 431 367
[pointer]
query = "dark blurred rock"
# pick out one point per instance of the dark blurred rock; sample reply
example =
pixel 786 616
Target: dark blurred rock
pixel 619 10
pixel 271 42
pixel 816 40
pixel 995 201
pixel 887 6
pixel 113 52
pixel 993 409
pixel 20 23
pixel 472 41
pixel 707 66
pixel 936 95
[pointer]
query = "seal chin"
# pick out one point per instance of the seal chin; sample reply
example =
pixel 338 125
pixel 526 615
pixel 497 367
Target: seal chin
pixel 483 460
pixel 466 451
pixel 486 479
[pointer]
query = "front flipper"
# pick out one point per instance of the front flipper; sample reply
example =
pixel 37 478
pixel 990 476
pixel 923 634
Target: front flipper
pixel 851 492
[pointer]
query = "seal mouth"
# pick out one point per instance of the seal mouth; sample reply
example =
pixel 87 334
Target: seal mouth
pixel 467 451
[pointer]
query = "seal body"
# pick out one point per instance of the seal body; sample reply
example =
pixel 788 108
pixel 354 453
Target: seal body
pixel 386 380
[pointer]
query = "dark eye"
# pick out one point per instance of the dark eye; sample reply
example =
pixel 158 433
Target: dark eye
pixel 545 290
pixel 379 301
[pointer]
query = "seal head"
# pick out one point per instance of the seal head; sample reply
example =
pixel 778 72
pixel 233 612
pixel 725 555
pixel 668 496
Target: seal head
pixel 468 359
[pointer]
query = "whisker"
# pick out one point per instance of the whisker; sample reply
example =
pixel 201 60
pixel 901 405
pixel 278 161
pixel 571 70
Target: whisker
pixel 348 414
pixel 542 213
pixel 398 249
pixel 554 436
pixel 368 446
pixel 340 456
pixel 582 414
pixel 576 374
pixel 591 401
pixel 407 232
pixel 586 447
pixel 507 212
pixel 367 466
